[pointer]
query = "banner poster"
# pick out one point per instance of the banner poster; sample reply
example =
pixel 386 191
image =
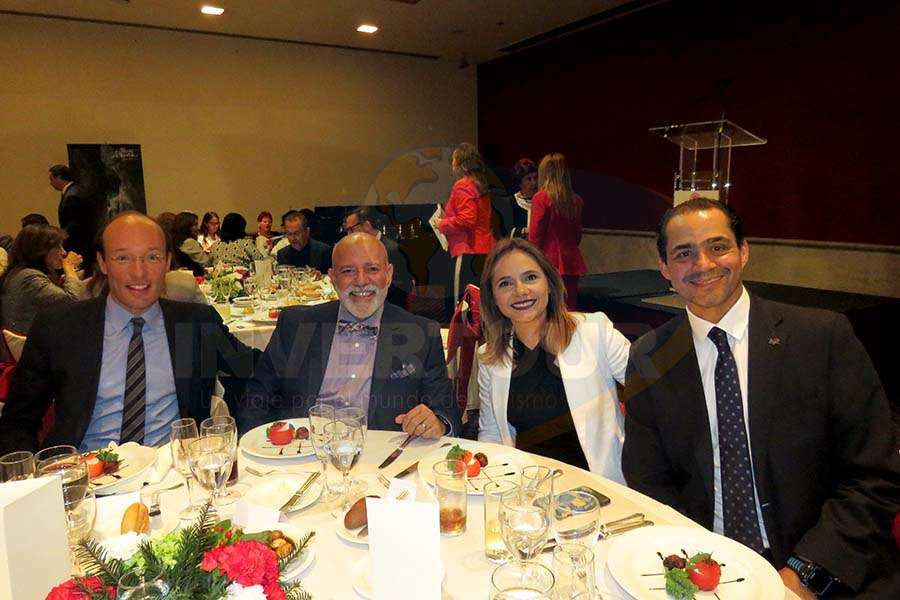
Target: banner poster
pixel 111 174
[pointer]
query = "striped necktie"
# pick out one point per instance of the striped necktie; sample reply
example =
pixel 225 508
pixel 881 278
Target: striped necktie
pixel 134 405
pixel 740 520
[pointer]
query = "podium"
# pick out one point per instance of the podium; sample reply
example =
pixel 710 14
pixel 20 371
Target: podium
pixel 709 137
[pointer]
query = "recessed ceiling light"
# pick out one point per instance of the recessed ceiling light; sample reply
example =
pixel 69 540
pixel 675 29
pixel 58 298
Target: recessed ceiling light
pixel 367 29
pixel 212 10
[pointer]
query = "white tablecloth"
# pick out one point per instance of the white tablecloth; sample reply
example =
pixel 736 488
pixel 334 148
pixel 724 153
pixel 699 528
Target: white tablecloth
pixel 468 572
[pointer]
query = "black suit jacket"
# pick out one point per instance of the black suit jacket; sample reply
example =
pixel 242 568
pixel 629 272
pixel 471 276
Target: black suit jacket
pixel 80 217
pixel 319 256
pixel 409 368
pixel 402 280
pixel 824 449
pixel 62 359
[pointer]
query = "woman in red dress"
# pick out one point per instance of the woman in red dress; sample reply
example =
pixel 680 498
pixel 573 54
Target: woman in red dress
pixel 467 220
pixel 555 225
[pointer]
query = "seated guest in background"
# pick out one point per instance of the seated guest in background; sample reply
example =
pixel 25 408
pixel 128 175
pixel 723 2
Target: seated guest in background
pixel 357 351
pixel 79 214
pixel 526 173
pixel 364 219
pixel 34 219
pixel 303 251
pixel 264 239
pixel 32 282
pixel 6 243
pixel 555 225
pixel 547 377
pixel 209 231
pixel 762 421
pixel 235 249
pixel 282 241
pixel 166 220
pixel 189 254
pixel 82 356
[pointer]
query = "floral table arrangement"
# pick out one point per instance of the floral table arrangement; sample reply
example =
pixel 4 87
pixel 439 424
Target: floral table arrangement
pixel 226 287
pixel 209 560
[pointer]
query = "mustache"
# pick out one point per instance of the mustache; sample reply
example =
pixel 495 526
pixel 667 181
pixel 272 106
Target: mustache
pixel 707 275
pixel 362 288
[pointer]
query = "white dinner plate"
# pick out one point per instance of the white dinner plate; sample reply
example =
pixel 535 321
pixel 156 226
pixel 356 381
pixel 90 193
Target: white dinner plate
pixel 362 578
pixel 503 465
pixel 275 490
pixel 135 459
pixel 633 556
pixel 299 565
pixel 255 443
pixel 263 317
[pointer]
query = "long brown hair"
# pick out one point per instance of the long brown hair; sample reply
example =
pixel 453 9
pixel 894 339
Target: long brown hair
pixel 30 249
pixel 470 164
pixel 554 179
pixel 497 328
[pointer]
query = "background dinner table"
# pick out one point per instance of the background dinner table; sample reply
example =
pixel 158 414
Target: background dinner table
pixel 468 572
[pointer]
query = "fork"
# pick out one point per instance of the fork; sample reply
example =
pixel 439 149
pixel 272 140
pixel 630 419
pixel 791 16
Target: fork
pixel 384 481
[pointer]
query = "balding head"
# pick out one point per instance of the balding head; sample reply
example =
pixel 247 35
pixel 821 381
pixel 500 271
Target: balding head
pixel 361 273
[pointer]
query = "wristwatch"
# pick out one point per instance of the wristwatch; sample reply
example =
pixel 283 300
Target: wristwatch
pixel 813 576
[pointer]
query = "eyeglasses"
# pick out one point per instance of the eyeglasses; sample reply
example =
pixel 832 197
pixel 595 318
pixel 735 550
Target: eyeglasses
pixel 354 228
pixel 151 258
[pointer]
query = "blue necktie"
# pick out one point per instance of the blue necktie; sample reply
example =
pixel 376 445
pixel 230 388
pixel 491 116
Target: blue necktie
pixel 134 403
pixel 738 502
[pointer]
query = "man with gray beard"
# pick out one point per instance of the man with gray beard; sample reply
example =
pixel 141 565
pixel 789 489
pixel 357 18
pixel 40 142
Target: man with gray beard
pixel 357 351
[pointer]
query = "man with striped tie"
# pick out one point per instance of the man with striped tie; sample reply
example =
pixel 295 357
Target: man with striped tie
pixel 764 422
pixel 120 368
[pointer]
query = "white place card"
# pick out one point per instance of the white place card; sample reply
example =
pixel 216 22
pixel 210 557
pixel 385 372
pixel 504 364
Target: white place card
pixel 254 517
pixel 405 547
pixel 32 510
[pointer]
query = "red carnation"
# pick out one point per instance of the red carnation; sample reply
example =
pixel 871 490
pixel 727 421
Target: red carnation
pixel 70 590
pixel 248 563
pixel 273 591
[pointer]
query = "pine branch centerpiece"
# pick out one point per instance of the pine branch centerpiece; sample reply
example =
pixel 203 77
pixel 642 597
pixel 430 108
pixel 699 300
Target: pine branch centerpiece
pixel 210 560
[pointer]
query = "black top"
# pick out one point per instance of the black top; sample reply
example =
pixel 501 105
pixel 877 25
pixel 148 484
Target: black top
pixel 538 407
pixel 314 254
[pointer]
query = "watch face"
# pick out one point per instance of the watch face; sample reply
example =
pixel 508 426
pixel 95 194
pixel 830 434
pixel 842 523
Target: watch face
pixel 817 580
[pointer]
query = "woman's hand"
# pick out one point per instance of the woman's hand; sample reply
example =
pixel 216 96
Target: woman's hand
pixel 70 263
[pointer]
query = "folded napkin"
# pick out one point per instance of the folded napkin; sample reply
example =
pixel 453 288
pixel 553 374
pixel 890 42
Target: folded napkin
pixel 161 471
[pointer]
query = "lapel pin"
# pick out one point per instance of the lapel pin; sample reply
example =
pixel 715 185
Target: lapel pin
pixel 774 341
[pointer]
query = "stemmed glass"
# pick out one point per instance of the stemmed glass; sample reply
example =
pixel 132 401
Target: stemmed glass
pixel 320 415
pixel 65 462
pixel 524 523
pixel 81 511
pixel 142 584
pixel 225 428
pixel 345 443
pixel 184 431
pixel 210 458
pixel 575 517
pixel 16 466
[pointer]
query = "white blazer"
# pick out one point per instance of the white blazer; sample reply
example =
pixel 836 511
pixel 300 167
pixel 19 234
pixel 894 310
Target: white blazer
pixel 595 359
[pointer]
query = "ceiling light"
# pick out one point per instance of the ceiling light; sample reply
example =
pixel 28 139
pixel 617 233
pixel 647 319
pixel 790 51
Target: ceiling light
pixel 212 10
pixel 367 29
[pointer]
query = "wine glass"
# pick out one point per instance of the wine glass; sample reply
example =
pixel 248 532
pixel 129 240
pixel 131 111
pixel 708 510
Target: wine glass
pixel 524 523
pixel 211 459
pixel 184 431
pixel 321 415
pixel 226 428
pixel 142 584
pixel 575 518
pixel 517 580
pixel 16 466
pixel 81 511
pixel 344 445
pixel 64 462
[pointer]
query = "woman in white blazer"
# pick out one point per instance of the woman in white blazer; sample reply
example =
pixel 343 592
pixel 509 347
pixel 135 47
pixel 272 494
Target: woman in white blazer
pixel 549 371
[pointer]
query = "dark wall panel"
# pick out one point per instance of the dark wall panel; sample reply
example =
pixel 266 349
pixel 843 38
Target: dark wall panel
pixel 819 80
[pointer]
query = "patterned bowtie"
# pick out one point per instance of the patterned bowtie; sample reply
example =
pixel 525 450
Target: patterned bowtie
pixel 356 328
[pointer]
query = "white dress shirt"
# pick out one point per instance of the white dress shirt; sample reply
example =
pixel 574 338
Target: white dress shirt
pixel 736 323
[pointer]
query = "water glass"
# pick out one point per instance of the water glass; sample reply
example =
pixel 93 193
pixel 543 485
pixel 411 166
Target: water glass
pixel 211 459
pixel 528 580
pixel 64 462
pixel 183 432
pixel 575 518
pixel 494 548
pixel 538 479
pixel 226 428
pixel 16 466
pixel 573 565
pixel 81 511
pixel 321 415
pixel 524 523
pixel 450 481
pixel 344 445
pixel 141 585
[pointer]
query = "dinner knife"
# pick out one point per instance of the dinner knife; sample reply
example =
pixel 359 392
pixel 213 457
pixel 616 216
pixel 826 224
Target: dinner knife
pixel 393 455
pixel 412 468
pixel 296 497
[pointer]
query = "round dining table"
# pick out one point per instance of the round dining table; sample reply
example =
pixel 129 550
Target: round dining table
pixel 468 572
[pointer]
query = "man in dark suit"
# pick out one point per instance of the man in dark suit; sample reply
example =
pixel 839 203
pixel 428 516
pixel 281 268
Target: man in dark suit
pixel 302 251
pixel 78 214
pixel 358 351
pixel 366 220
pixel 123 366
pixel 762 421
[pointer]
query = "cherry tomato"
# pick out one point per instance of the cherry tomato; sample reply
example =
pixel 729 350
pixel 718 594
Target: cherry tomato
pixel 481 457
pixel 302 433
pixel 473 468
pixel 94 466
pixel 706 576
pixel 280 434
